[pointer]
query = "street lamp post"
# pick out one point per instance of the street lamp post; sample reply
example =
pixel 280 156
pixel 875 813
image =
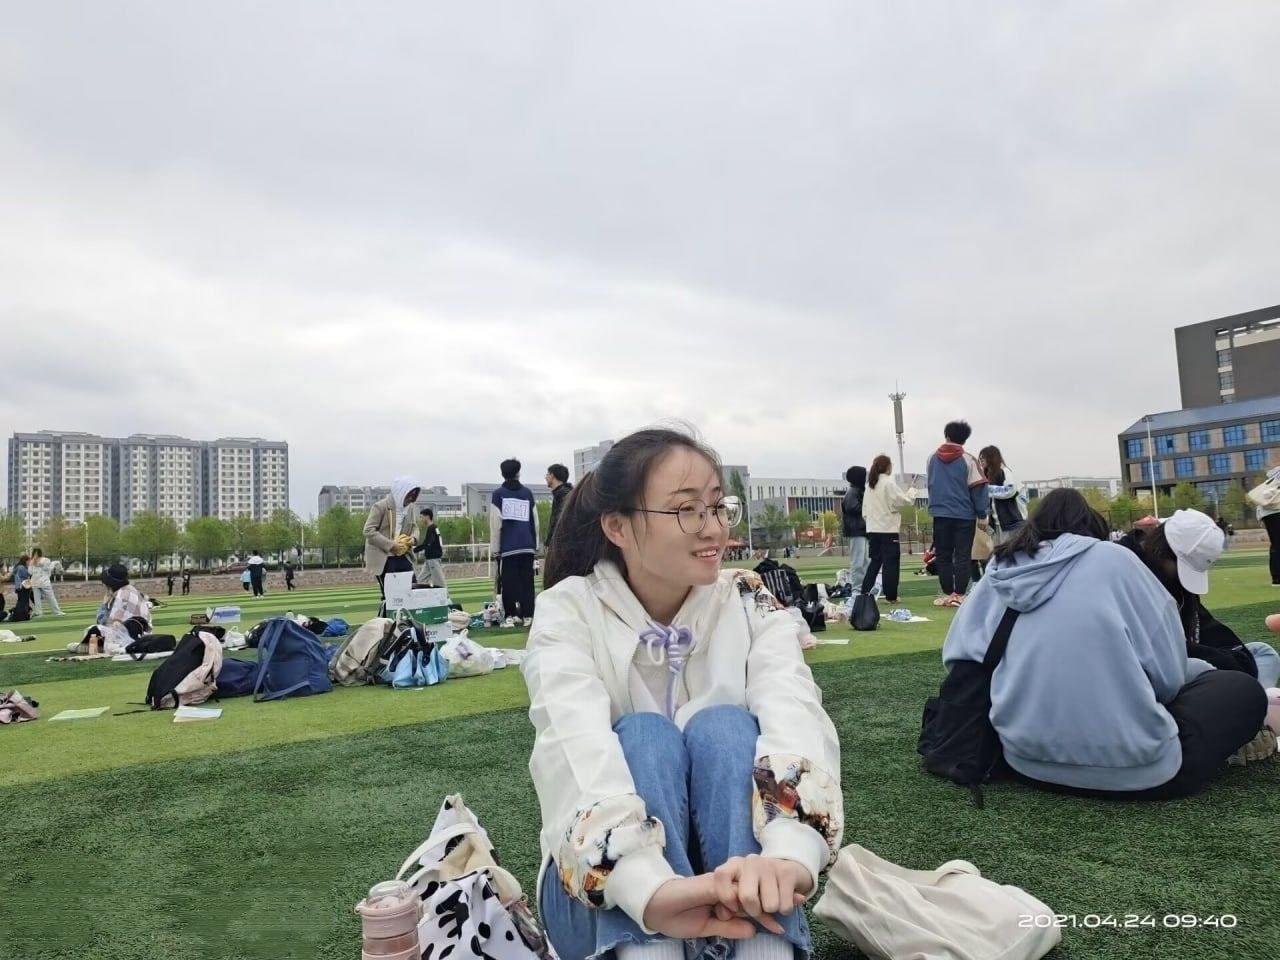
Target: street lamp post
pixel 1151 467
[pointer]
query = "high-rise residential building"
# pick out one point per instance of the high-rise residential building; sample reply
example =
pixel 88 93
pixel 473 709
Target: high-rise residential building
pixel 160 474
pixel 77 475
pixel 246 476
pixel 586 459
pixel 1230 359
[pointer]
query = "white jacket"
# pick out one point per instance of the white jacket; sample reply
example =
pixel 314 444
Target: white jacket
pixel 41 573
pixel 581 651
pixel 881 505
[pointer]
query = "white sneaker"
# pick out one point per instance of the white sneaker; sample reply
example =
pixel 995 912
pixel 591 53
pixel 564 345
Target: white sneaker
pixel 519 621
pixel 509 623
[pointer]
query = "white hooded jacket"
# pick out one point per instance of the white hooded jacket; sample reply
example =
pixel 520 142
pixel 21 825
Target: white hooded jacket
pixel 583 656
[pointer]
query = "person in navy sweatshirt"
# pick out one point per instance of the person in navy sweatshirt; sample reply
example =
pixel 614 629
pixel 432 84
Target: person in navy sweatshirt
pixel 513 539
pixel 958 498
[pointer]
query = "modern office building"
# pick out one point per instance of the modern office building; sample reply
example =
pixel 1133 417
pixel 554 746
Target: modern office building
pixel 585 460
pixel 1213 447
pixel 814 494
pixel 77 475
pixel 1231 359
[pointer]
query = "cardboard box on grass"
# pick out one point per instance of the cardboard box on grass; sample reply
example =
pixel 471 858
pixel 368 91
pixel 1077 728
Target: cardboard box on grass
pixel 429 606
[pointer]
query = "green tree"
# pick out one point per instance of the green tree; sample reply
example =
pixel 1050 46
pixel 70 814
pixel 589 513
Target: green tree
pixel 280 534
pixel 331 531
pixel 246 533
pixel 207 539
pixel 1096 499
pixel 799 520
pixel 774 522
pixel 544 520
pixel 830 521
pixel 150 537
pixel 353 539
pixel 1123 511
pixel 1186 496
pixel 60 539
pixel 104 539
pixel 1235 504
pixel 13 538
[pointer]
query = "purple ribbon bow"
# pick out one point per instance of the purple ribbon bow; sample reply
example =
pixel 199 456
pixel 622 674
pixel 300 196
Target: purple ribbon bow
pixel 676 643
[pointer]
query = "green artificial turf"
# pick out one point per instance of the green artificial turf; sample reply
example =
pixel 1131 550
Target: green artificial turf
pixel 252 836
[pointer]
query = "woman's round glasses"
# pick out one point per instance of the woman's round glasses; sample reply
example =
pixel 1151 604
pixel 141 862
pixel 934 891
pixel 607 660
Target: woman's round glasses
pixel 692 514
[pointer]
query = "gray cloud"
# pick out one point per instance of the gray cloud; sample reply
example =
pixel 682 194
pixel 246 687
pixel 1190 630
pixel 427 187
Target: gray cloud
pixel 427 236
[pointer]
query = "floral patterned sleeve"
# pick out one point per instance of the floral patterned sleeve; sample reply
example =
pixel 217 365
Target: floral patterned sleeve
pixel 790 787
pixel 597 839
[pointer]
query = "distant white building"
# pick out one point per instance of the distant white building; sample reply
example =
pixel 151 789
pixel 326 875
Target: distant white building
pixel 814 494
pixel 77 475
pixel 1108 486
pixel 586 459
pixel 359 499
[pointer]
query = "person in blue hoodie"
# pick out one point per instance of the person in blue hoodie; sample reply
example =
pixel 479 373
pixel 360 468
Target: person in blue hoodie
pixel 513 540
pixel 1093 692
pixel 958 500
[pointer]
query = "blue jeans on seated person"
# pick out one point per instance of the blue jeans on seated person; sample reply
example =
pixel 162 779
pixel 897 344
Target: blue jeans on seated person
pixel 699 784
pixel 1264 655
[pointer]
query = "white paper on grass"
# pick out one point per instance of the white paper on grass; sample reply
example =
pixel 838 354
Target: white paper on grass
pixel 428 597
pixel 513 508
pixel 398 586
pixel 88 714
pixel 187 714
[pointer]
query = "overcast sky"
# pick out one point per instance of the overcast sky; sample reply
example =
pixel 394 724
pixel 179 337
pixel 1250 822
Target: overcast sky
pixel 421 237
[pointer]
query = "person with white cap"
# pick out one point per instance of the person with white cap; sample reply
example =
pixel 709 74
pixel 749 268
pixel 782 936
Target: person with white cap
pixel 1093 694
pixel 389 531
pixel 1180 552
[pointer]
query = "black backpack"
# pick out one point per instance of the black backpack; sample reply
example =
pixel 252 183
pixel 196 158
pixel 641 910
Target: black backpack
pixel 151 643
pixel 188 656
pixel 957 740
pixel 812 609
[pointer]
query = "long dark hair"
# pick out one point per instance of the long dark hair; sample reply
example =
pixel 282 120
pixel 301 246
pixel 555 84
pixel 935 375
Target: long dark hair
pixel 1061 511
pixel 1154 551
pixel 616 485
pixel 992 463
pixel 880 465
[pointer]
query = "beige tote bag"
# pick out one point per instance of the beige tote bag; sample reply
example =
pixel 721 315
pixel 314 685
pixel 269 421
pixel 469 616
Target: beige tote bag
pixel 952 913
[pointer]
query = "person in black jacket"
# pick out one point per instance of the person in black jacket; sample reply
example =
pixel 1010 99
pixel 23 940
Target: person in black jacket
pixel 558 481
pixel 854 525
pixel 432 549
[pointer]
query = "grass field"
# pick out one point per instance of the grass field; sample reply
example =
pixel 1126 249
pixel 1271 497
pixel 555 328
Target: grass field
pixel 252 836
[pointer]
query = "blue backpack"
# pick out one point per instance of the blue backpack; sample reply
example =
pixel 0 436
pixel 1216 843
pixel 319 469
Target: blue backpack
pixel 237 677
pixel 336 627
pixel 291 662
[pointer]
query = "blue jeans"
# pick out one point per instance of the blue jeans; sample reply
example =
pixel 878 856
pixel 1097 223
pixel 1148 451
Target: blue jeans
pixel 699 784
pixel 1264 655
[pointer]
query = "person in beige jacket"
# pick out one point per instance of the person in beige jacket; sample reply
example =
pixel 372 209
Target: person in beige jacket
pixel 881 508
pixel 676 724
pixel 389 531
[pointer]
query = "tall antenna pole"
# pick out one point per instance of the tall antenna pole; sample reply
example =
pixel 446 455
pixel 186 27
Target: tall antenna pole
pixel 897 397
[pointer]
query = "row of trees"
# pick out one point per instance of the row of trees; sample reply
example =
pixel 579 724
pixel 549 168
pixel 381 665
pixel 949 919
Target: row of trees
pixel 337 534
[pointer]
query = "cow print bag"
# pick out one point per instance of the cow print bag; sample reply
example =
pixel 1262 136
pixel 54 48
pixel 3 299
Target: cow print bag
pixel 471 907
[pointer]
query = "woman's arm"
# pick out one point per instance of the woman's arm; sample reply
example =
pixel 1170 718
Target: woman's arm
pixel 799 808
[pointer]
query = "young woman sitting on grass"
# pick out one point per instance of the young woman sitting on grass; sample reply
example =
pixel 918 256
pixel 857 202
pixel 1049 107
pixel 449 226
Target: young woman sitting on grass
pixel 123 617
pixel 1094 692
pixel 687 774
pixel 1179 553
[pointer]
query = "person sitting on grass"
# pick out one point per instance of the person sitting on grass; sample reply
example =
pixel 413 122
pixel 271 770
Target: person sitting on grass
pixel 124 616
pixel 688 777
pixel 1094 693
pixel 1179 552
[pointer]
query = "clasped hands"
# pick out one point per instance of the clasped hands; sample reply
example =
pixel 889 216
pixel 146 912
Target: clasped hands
pixel 724 903
pixel 402 545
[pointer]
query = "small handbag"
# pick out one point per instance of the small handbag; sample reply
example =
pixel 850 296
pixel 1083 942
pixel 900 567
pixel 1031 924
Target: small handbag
pixel 865 615
pixel 1266 494
pixel 472 907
